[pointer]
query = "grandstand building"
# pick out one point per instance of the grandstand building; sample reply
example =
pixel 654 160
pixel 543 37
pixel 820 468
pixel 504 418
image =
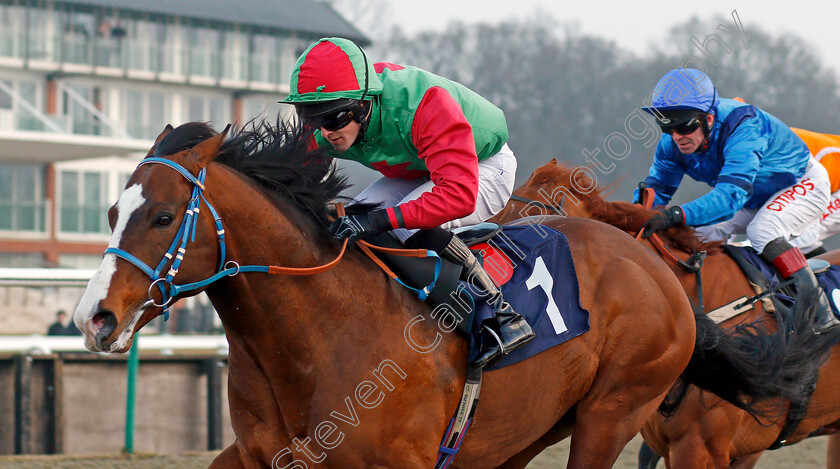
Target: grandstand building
pixel 86 86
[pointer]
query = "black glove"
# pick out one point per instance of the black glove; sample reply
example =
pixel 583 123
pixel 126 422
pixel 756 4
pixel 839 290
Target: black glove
pixel 353 226
pixel 666 218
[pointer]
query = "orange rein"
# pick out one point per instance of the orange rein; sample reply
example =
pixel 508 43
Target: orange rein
pixel 363 245
pixel 647 201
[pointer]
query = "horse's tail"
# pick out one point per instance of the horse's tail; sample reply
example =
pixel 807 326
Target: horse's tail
pixel 753 368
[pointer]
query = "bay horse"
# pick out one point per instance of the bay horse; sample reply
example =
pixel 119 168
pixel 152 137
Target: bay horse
pixel 705 432
pixel 346 368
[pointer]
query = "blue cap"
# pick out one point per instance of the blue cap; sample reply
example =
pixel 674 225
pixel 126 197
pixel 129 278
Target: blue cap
pixel 681 89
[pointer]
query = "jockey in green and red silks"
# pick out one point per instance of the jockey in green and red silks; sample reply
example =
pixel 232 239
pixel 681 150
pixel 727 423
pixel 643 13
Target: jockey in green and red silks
pixel 441 148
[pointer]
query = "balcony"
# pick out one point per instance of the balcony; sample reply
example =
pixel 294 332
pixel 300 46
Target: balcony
pixel 80 53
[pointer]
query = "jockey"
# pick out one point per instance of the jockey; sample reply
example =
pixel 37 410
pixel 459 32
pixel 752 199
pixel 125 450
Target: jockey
pixel 441 147
pixel 765 182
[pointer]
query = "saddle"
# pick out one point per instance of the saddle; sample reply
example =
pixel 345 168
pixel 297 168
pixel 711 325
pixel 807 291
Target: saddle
pixel 419 272
pixel 763 277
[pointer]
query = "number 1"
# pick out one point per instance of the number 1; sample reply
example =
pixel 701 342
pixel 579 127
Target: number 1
pixel 540 276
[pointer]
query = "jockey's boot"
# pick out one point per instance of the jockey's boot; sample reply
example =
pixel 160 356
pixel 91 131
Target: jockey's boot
pixel 504 332
pixel 789 262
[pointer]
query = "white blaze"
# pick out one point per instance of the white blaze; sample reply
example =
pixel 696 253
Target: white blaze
pixel 97 289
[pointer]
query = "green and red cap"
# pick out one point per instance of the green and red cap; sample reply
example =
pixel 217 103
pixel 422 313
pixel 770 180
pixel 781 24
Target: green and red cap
pixel 329 74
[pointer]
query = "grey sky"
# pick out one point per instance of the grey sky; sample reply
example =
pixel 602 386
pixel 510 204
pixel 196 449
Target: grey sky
pixel 634 25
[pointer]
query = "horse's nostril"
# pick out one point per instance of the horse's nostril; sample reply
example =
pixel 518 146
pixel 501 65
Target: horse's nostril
pixel 104 323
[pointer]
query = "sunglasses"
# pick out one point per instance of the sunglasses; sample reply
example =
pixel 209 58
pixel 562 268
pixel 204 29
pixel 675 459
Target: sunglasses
pixel 683 128
pixel 335 121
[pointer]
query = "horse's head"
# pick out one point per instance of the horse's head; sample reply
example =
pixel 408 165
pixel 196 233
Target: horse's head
pixel 552 189
pixel 151 224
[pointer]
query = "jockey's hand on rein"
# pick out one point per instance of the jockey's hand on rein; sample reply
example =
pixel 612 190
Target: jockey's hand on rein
pixel 354 226
pixel 665 219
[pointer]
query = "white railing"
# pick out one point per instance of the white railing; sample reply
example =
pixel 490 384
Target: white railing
pixel 21 277
pixel 163 344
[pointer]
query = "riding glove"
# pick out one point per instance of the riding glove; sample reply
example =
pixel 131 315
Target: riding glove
pixel 666 218
pixel 353 226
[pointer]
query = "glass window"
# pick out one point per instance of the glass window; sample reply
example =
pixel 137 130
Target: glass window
pixel 203 51
pixel 145 112
pixel 69 202
pixel 142 41
pixel 83 121
pixel 22 260
pixel 42 37
pixel 11 30
pixel 93 213
pixel 263 58
pixel 195 110
pixel 134 122
pixel 123 180
pixel 22 200
pixel 77 32
pixel 83 206
pixel 215 110
pixel 79 261
pixel 30 92
pixel 217 114
pixel 5 99
pixel 172 55
pixel 234 55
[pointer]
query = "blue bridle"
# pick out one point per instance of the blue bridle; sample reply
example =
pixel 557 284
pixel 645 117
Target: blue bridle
pixel 186 234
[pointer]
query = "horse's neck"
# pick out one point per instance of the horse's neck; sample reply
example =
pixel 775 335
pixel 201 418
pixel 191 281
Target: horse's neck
pixel 285 321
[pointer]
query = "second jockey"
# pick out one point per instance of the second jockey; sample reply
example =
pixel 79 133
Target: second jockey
pixel 765 182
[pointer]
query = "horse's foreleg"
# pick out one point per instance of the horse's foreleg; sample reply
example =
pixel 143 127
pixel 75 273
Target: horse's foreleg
pixel 558 432
pixel 746 462
pixel 599 436
pixel 833 456
pixel 648 457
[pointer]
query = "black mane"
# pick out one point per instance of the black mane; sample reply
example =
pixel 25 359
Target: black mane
pixel 277 157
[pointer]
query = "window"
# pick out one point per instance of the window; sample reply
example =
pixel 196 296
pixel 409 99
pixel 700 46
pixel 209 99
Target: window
pixel 81 119
pixel 77 32
pixel 264 65
pixel 23 92
pixel 143 40
pixel 5 99
pixel 264 107
pixel 234 55
pixel 22 260
pixel 203 51
pixel 42 26
pixel 22 199
pixel 79 261
pixel 83 203
pixel 215 110
pixel 145 112
pixel 11 32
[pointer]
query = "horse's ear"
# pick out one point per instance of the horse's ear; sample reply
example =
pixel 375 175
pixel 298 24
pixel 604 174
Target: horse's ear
pixel 553 161
pixel 205 151
pixel 160 137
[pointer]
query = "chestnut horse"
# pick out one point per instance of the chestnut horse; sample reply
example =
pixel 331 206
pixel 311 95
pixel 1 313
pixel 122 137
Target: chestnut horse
pixel 705 432
pixel 347 368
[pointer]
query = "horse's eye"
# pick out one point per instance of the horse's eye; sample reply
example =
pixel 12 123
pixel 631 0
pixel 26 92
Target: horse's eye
pixel 164 219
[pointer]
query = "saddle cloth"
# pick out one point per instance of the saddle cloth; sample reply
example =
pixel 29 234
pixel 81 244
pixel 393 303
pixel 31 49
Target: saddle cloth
pixel 542 287
pixel 828 280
